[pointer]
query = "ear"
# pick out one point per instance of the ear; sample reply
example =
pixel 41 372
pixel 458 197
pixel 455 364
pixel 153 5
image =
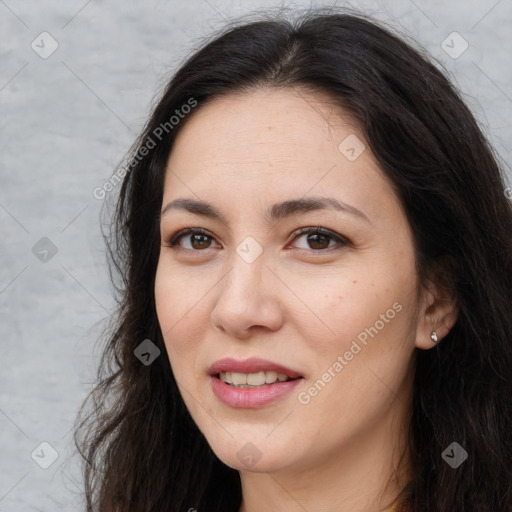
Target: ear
pixel 437 311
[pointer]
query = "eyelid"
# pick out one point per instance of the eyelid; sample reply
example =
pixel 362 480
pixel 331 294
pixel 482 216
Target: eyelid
pixel 174 239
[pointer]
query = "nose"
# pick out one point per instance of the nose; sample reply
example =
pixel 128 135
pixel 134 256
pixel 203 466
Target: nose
pixel 248 300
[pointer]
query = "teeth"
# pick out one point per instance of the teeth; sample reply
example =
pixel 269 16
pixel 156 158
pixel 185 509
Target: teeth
pixel 270 377
pixel 252 379
pixel 256 379
pixel 238 378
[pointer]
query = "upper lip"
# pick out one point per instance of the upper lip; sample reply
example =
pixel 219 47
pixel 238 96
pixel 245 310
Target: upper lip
pixel 251 365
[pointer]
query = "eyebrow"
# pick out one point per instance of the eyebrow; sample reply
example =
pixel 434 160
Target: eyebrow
pixel 274 213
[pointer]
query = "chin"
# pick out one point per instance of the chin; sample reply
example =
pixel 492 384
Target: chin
pixel 256 456
pixel 262 465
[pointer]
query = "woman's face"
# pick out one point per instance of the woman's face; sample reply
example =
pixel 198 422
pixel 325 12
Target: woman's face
pixel 336 308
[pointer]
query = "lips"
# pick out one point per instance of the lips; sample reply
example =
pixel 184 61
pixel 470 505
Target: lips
pixel 252 365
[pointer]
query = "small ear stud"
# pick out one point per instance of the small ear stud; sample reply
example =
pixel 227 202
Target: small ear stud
pixel 433 336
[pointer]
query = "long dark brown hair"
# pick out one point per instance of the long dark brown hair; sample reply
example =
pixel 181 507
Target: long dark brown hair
pixel 142 451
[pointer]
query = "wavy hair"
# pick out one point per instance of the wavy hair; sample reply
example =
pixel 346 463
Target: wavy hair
pixel 141 449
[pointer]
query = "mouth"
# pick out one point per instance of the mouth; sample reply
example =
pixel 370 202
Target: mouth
pixel 252 372
pixel 253 380
pixel 252 383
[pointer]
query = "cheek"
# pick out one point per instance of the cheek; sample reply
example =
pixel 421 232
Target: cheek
pixel 178 308
pixel 345 308
pixel 372 314
pixel 358 373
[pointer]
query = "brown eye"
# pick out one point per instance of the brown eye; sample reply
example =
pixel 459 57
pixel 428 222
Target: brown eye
pixel 319 239
pixel 198 239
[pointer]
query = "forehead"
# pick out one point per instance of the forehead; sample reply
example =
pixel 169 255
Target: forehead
pixel 284 124
pixel 272 142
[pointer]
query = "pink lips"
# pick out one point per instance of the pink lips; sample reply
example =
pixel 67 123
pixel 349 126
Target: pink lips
pixel 250 397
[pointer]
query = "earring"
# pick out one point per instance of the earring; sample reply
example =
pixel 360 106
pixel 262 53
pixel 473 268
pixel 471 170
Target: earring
pixel 433 336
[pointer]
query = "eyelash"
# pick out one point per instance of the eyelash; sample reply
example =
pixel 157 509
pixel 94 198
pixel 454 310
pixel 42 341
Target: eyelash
pixel 173 240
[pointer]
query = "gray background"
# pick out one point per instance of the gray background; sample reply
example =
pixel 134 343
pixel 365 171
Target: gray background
pixel 65 122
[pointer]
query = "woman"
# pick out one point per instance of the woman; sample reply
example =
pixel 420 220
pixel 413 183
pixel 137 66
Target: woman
pixel 315 247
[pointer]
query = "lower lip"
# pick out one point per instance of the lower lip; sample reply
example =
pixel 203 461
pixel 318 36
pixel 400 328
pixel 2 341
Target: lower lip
pixel 251 398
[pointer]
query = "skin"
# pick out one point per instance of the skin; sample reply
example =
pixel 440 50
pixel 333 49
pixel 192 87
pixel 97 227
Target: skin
pixel 296 304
